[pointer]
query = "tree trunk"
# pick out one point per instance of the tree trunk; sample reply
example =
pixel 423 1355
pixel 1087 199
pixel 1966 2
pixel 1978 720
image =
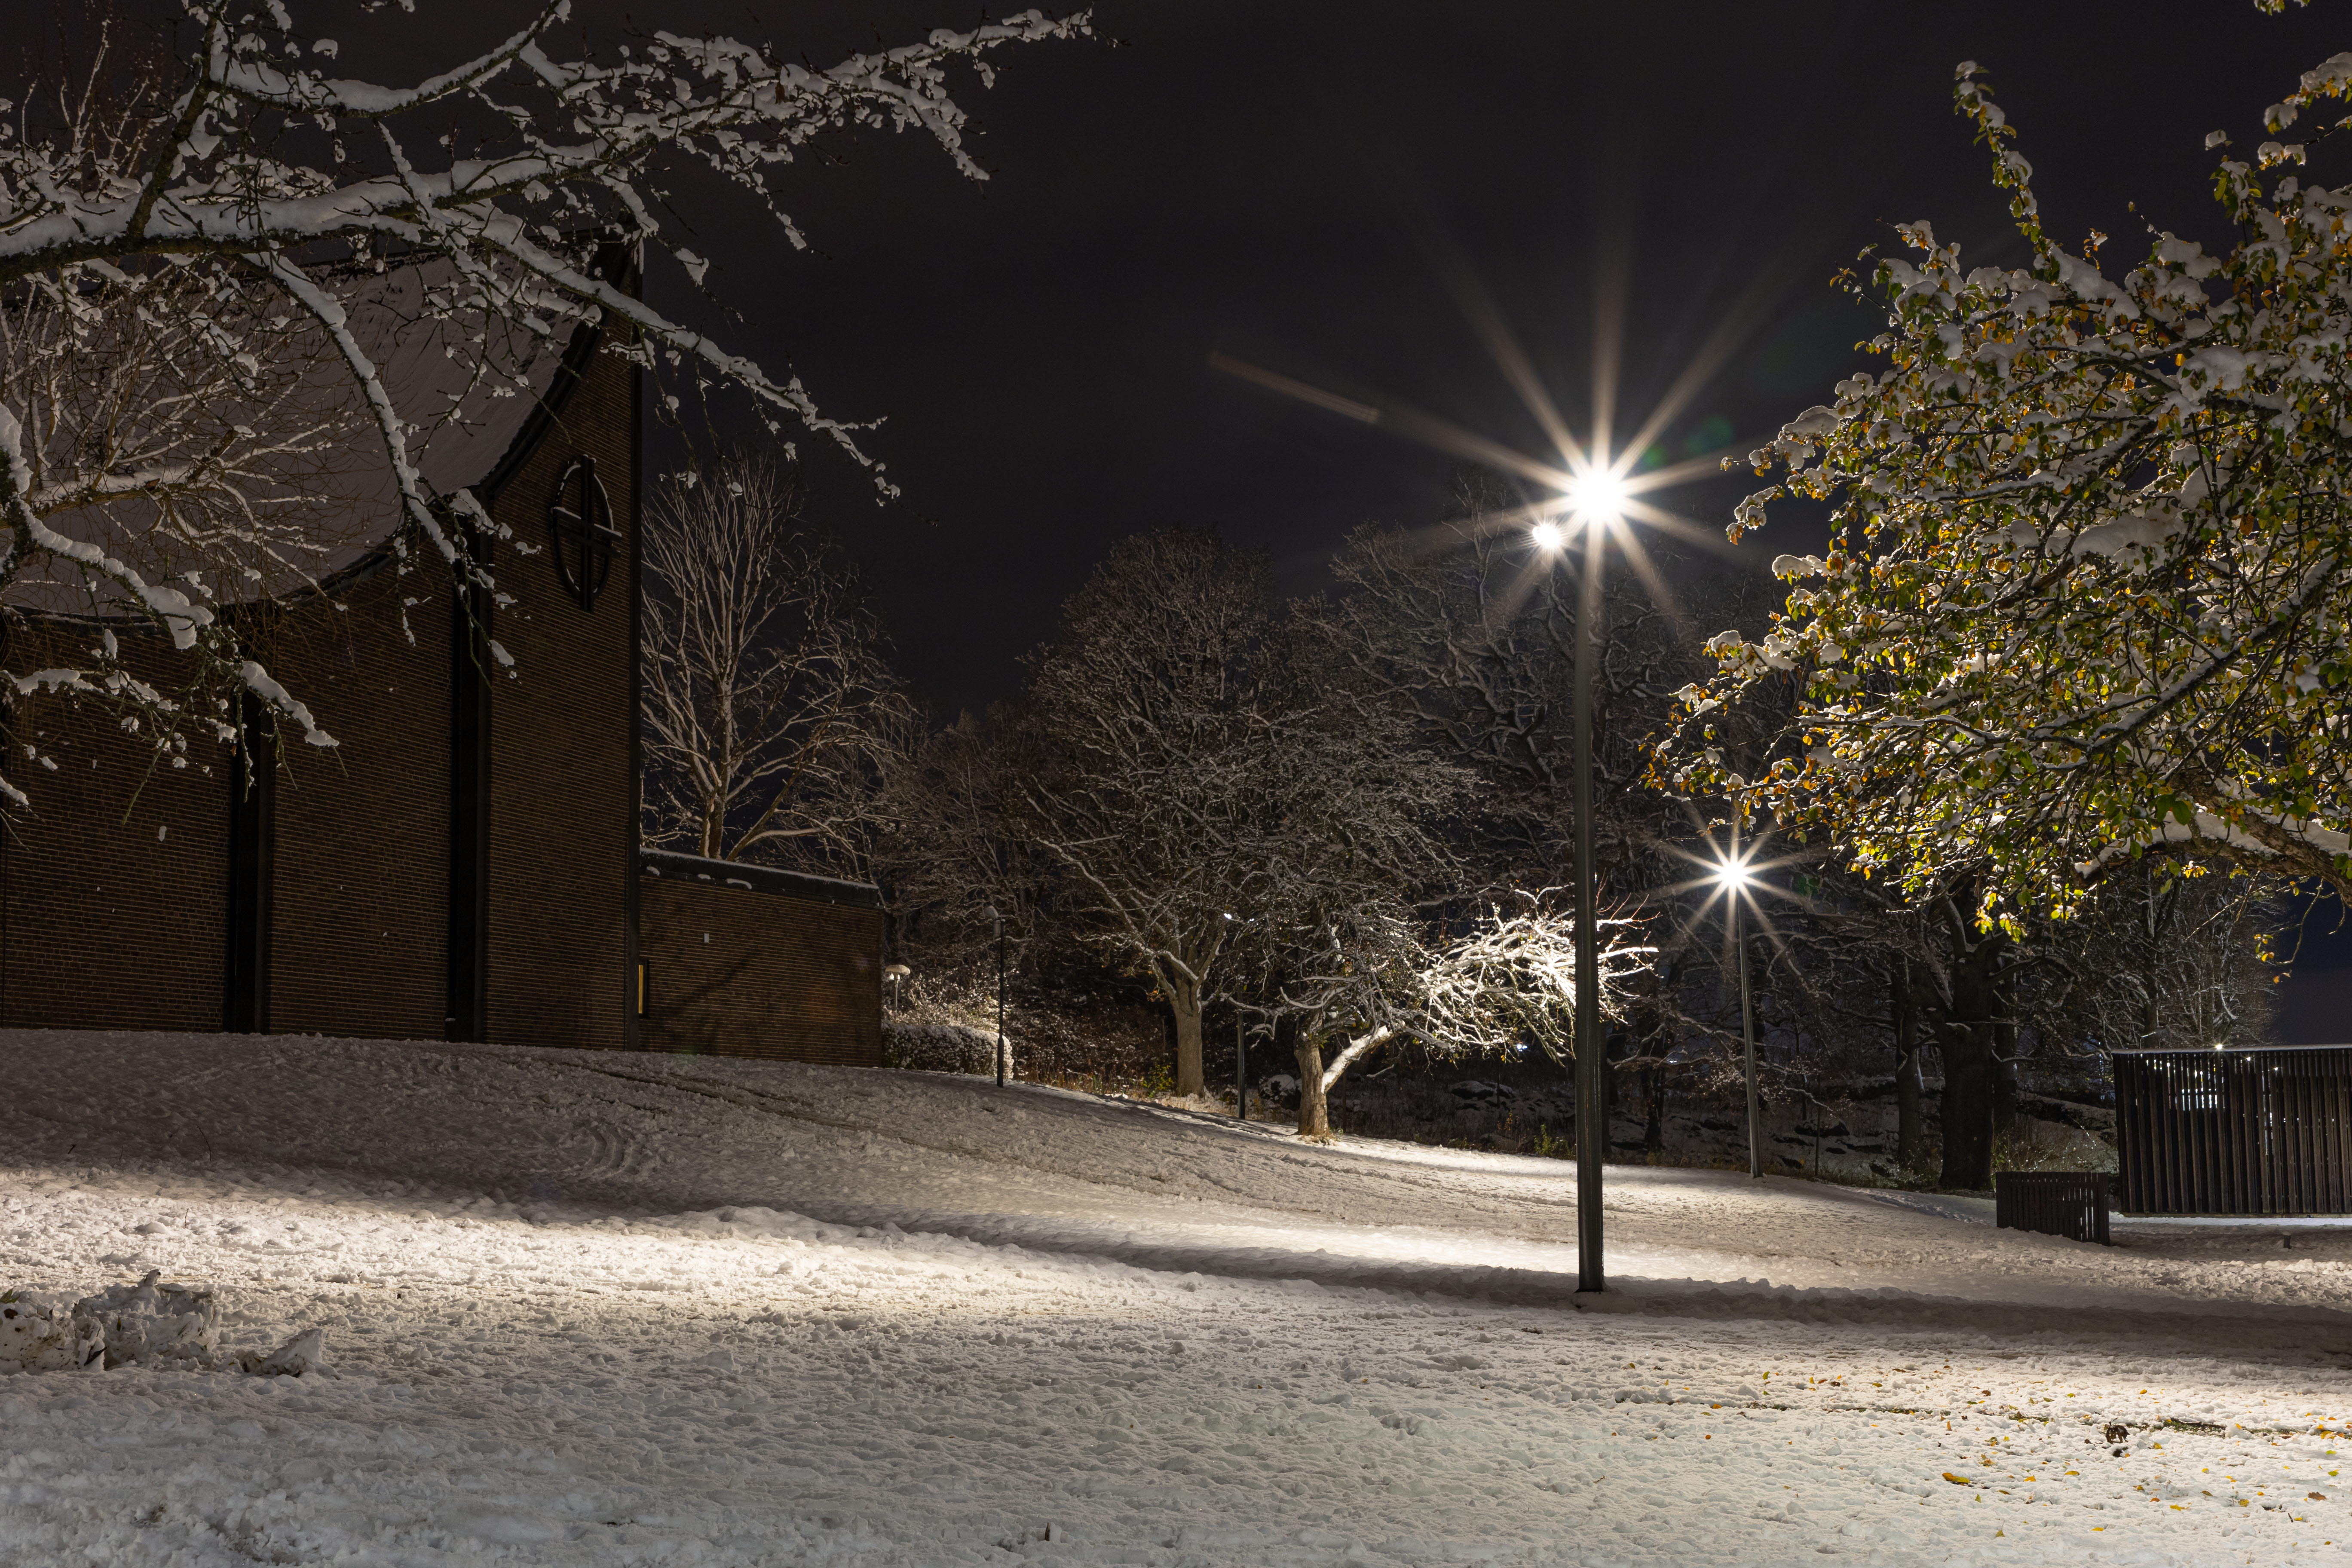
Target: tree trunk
pixel 1313 1108
pixel 1968 1105
pixel 1910 1123
pixel 1184 1006
pixel 1910 1133
pixel 1653 1117
pixel 1972 1006
pixel 2005 1058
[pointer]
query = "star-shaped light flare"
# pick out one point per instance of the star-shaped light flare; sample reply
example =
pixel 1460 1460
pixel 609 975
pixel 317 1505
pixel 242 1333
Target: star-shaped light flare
pixel 1737 871
pixel 1592 483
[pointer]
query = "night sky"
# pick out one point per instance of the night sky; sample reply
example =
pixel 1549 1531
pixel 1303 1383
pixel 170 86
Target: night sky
pixel 1282 182
pixel 1299 184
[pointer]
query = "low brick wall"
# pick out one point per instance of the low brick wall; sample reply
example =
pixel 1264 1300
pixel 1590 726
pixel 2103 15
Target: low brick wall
pixel 742 961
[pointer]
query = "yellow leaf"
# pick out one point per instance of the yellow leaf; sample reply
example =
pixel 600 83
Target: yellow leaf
pixel 1956 1480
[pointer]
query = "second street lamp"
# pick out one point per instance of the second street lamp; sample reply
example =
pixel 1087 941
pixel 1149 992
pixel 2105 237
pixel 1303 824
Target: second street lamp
pixel 1004 1048
pixel 1733 875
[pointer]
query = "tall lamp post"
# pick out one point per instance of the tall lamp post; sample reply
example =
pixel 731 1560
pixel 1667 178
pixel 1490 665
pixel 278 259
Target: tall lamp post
pixel 1732 876
pixel 1235 925
pixel 1003 1051
pixel 1597 502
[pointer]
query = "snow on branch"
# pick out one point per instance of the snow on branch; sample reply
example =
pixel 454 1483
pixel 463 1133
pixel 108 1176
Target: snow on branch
pixel 2089 589
pixel 187 249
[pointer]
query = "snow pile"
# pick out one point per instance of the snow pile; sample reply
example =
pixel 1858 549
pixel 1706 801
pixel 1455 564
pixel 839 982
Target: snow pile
pixel 155 1322
pixel 41 1334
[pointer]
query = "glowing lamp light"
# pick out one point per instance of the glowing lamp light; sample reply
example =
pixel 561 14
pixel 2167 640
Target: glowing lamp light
pixel 1547 535
pixel 1732 875
pixel 1598 496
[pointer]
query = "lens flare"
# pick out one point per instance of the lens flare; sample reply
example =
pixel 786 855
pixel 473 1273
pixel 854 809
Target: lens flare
pixel 1598 496
pixel 1547 535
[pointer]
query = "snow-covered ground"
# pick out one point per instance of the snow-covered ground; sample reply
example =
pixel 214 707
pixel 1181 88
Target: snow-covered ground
pixel 588 1309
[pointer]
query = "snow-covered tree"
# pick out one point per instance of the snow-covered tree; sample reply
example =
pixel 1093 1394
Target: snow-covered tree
pixel 1353 839
pixel 1149 715
pixel 216 219
pixel 1371 974
pixel 1194 773
pixel 1471 634
pixel 773 719
pixel 2089 590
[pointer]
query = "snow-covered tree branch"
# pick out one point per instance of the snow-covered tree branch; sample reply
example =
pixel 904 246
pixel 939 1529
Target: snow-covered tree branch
pixel 188 250
pixel 1376 971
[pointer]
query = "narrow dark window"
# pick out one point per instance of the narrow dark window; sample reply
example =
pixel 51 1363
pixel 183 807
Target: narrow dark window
pixel 580 527
pixel 641 988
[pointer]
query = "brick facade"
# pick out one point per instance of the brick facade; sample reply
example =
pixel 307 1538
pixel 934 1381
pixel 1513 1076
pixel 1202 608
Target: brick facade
pixel 113 882
pixel 562 793
pixel 359 898
pixel 132 896
pixel 744 960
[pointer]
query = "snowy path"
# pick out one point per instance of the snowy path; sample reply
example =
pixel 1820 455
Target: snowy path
pixel 592 1309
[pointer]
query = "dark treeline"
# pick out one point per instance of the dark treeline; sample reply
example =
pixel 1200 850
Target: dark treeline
pixel 1344 823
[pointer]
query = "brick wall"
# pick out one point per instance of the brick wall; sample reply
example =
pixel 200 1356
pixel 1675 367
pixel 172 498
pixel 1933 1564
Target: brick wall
pixel 360 901
pixel 109 922
pixel 114 882
pixel 737 973
pixel 563 818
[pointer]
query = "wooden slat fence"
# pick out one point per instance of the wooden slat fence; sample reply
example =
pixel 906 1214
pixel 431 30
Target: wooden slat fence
pixel 2264 1131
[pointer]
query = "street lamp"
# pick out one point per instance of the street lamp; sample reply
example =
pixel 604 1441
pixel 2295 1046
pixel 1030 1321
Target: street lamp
pixel 1734 877
pixel 1003 1051
pixel 1234 924
pixel 1592 485
pixel 1596 499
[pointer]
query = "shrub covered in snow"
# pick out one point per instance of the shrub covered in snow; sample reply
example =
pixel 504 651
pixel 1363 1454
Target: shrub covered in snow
pixel 939 1047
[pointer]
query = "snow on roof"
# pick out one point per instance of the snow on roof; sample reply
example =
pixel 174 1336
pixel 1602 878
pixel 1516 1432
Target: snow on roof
pixel 673 867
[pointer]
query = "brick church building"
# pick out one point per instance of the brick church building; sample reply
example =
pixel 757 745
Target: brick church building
pixel 464 863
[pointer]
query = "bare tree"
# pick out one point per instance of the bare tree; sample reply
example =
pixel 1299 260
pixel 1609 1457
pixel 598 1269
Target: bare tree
pixel 2159 961
pixel 957 855
pixel 1151 714
pixel 773 719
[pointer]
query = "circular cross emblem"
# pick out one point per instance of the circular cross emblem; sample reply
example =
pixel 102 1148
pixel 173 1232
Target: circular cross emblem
pixel 580 523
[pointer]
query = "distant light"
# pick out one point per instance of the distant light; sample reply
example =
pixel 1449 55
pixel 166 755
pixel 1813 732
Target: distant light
pixel 1547 535
pixel 1732 873
pixel 1598 498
